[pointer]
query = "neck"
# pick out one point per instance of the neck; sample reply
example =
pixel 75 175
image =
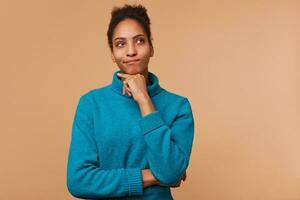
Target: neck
pixel 145 74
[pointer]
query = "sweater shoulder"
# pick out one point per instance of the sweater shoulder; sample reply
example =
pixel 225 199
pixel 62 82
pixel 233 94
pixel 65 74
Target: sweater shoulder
pixel 92 97
pixel 174 104
pixel 92 93
pixel 172 96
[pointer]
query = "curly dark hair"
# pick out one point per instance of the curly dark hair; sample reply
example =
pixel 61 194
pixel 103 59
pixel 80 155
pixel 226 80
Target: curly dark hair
pixel 136 12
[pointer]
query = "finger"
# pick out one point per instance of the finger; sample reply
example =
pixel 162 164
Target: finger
pixel 124 88
pixel 123 75
pixel 127 89
pixel 128 92
pixel 126 85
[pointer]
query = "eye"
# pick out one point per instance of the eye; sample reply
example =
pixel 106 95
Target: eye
pixel 119 44
pixel 140 40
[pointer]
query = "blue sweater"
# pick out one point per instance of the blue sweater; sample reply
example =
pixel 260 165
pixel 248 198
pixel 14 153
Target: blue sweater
pixel 112 142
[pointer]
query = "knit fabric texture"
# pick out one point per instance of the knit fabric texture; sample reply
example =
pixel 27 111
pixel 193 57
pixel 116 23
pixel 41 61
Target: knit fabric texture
pixel 111 143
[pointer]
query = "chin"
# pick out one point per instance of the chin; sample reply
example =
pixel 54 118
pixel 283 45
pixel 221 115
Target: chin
pixel 132 71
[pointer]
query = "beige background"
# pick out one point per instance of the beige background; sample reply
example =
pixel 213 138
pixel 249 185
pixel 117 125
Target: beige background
pixel 237 61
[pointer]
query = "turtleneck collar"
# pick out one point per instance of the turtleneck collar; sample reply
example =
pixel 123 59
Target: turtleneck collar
pixel 153 88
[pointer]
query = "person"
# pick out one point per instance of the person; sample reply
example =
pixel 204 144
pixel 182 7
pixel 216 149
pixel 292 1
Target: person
pixel 131 139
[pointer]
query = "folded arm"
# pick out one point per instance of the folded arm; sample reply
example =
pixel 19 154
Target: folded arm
pixel 168 147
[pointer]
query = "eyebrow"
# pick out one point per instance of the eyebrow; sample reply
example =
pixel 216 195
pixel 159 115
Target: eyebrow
pixel 122 38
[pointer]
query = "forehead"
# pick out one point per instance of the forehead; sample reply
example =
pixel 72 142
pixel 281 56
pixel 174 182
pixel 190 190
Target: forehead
pixel 128 28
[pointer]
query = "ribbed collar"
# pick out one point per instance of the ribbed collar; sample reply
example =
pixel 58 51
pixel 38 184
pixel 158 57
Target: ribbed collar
pixel 153 89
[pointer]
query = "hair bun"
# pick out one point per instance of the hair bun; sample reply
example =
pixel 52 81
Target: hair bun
pixel 131 10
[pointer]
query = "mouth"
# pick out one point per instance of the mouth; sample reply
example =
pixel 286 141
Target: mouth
pixel 129 62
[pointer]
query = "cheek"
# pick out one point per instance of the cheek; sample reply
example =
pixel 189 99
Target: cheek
pixel 118 56
pixel 145 53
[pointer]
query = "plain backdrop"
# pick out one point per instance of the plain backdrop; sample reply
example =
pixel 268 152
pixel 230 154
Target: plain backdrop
pixel 237 62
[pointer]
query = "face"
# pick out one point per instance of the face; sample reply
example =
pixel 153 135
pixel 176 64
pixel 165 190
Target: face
pixel 131 48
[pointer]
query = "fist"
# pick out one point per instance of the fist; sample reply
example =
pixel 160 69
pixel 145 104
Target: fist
pixel 134 85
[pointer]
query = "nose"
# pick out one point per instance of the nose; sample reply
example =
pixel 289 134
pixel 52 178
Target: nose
pixel 131 50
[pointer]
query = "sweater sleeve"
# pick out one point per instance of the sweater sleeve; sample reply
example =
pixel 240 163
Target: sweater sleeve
pixel 85 179
pixel 169 147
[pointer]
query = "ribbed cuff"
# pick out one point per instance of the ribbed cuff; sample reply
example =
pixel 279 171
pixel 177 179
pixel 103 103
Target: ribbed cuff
pixel 135 182
pixel 150 122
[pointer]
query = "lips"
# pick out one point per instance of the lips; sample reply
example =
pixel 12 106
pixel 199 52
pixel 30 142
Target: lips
pixel 131 61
